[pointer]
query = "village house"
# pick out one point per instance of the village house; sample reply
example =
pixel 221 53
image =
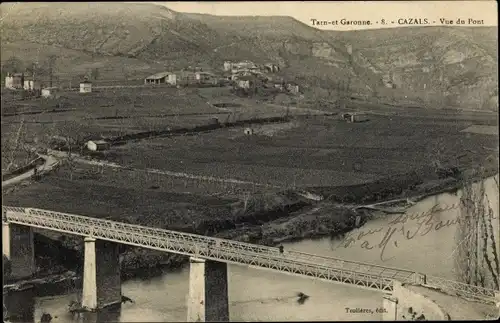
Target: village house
pixel 227 66
pixel 244 65
pixel 85 86
pixel 186 77
pixel 272 68
pixel 14 81
pixel 292 88
pixel 32 85
pixel 249 81
pixel 162 78
pixel 246 72
pixel 245 82
pixel 206 78
pixel 279 86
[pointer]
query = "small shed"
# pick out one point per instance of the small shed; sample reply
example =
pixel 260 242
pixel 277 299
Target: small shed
pixel 359 117
pixel 85 86
pixel 355 117
pixel 97 145
pixel 214 121
pixel 248 131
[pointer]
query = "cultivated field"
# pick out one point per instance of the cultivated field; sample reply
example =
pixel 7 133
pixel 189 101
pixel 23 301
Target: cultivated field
pixel 308 151
pixel 198 189
pixel 320 151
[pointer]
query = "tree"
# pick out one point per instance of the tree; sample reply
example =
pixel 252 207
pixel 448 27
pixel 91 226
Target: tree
pixel 13 65
pixel 19 146
pixel 6 266
pixel 72 133
pixel 94 73
pixel 51 63
pixel 476 258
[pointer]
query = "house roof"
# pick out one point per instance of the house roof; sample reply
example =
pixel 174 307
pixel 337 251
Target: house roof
pixel 19 75
pixel 98 142
pixel 206 73
pixel 158 76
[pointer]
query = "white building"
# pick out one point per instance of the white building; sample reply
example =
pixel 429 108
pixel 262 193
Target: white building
pixel 349 49
pixel 228 66
pixel 293 88
pixel 85 87
pixel 31 85
pixel 14 81
pixel 9 82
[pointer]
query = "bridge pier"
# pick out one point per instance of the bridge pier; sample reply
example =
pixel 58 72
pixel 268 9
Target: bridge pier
pixel 419 279
pixel 101 274
pixel 208 291
pixel 18 246
pixel 390 306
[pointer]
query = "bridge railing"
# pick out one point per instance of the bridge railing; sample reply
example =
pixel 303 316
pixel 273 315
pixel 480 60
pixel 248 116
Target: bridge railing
pixel 96 226
pixel 195 245
pixel 461 289
pixel 402 275
pixel 363 274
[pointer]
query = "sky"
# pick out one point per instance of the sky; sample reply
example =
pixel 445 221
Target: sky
pixel 332 11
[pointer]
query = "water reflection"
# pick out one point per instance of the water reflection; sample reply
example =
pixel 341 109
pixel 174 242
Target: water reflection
pixel 20 305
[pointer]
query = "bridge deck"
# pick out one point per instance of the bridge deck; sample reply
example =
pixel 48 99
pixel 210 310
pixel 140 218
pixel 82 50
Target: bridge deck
pixel 293 262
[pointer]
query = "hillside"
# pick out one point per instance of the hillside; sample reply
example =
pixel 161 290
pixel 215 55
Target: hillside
pixel 157 35
pixel 459 63
pixel 439 66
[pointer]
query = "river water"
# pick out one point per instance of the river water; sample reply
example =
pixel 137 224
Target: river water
pixel 262 295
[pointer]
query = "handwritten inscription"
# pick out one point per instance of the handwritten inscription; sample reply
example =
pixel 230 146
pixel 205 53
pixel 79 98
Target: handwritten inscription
pixel 422 224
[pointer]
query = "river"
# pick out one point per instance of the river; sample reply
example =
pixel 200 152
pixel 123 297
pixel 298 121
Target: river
pixel 262 295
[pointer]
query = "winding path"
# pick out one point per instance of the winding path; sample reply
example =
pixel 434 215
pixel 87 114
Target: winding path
pixel 50 163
